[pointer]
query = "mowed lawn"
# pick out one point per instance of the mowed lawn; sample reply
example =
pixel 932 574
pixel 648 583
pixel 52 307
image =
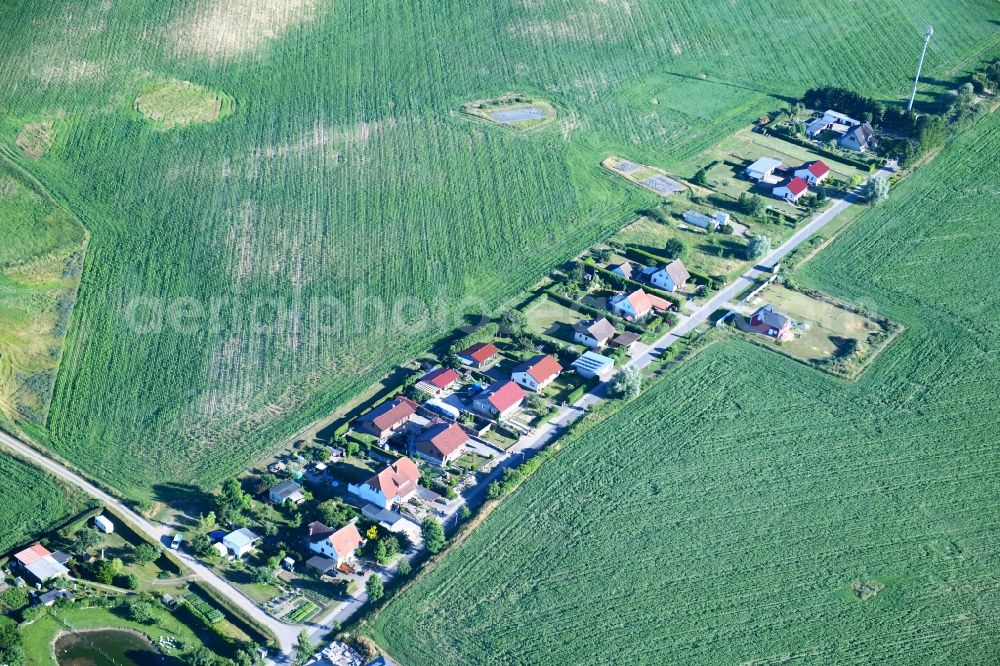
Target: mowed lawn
pixel 724 517
pixel 243 274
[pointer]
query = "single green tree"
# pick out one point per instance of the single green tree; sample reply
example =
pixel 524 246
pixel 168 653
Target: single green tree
pixel 433 534
pixel 304 649
pixel 105 572
pixel 86 538
pixel 207 521
pixel 333 513
pixel 145 553
pixel 232 499
pixel 374 588
pixel 129 582
pixel 265 575
pixel 627 384
pixel 876 190
pixel 404 567
pixel 674 248
pixel 201 544
pixel 141 612
pixel 758 247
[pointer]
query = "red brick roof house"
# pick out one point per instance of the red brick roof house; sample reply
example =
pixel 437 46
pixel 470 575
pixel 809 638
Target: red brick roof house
pixel 395 483
pixel 440 443
pixel 791 191
pixel 438 380
pixel 814 172
pixel 385 419
pixel 537 372
pixel 768 321
pixel 500 400
pixel 479 355
pixel 338 545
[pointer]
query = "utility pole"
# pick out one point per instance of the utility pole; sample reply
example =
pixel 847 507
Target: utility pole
pixel 920 65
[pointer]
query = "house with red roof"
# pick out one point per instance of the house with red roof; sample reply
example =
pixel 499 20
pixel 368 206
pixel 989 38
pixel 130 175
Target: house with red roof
pixel 440 443
pixel 791 191
pixel 393 485
pixel 387 418
pixel 637 305
pixel 537 372
pixel 438 380
pixel 338 545
pixel 813 173
pixel 500 400
pixel 39 562
pixel 480 355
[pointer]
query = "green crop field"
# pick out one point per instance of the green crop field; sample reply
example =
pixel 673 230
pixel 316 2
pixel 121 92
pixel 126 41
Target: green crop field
pixel 30 502
pixel 743 509
pixel 41 258
pixel 240 271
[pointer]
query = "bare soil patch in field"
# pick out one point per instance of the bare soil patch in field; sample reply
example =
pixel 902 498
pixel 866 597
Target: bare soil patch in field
pixel 36 138
pixel 226 29
pixel 181 103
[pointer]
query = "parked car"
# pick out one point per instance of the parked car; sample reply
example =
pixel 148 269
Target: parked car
pixel 175 543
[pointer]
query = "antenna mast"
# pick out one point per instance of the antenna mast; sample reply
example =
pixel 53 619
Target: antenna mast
pixel 920 65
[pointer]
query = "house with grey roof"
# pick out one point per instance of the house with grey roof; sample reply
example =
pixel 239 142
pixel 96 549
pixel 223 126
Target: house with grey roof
pixel 593 333
pixel 768 321
pixel 859 138
pixel 671 277
pixel 286 491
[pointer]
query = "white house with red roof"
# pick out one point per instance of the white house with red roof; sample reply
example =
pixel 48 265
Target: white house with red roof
pixel 438 380
pixel 38 561
pixel 791 191
pixel 338 545
pixel 387 418
pixel 394 484
pixel 814 172
pixel 537 372
pixel 637 304
pixel 440 443
pixel 479 355
pixel 500 400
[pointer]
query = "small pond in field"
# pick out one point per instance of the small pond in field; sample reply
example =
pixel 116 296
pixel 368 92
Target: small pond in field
pixel 105 647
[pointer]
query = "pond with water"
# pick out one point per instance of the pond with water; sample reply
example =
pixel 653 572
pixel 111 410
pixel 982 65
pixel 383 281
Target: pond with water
pixel 105 647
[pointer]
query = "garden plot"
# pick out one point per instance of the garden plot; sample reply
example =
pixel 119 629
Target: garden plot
pixel 553 321
pixel 513 109
pixel 651 178
pixel 828 334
